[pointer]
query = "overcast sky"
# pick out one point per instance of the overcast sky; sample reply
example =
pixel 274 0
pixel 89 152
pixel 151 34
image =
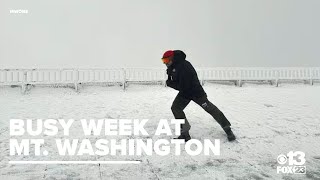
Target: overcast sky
pixel 135 33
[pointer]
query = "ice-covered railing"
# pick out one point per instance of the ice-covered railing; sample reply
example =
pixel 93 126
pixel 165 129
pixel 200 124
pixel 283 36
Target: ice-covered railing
pixel 124 76
pixel 52 76
pixel 275 74
pixel 145 74
pixel 120 76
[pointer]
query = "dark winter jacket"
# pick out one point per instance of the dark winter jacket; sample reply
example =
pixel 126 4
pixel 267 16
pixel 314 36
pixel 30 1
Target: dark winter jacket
pixel 183 77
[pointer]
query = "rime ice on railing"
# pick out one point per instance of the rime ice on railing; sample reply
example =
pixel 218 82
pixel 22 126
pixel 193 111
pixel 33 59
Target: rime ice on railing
pixel 127 75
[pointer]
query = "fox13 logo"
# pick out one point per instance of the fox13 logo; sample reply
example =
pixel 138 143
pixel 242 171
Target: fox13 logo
pixel 292 163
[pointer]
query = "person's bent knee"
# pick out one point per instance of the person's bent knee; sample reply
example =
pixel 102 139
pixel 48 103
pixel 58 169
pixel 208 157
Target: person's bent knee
pixel 174 108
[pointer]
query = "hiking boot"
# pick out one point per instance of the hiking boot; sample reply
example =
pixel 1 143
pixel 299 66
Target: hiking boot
pixel 230 135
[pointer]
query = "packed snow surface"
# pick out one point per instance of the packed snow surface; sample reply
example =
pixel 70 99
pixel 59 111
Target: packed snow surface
pixel 267 120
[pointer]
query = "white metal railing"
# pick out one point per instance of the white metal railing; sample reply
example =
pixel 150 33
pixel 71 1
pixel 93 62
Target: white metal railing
pixel 99 75
pixel 127 75
pixel 145 74
pixel 53 76
pixel 261 73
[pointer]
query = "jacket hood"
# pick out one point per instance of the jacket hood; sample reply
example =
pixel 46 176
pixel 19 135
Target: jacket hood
pixel 178 56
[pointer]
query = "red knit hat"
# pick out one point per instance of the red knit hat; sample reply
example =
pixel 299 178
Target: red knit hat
pixel 167 54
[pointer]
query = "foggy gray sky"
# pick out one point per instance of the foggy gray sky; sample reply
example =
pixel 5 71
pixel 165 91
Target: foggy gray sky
pixel 135 33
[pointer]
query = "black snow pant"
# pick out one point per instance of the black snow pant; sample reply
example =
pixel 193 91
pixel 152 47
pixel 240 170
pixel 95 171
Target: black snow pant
pixel 181 102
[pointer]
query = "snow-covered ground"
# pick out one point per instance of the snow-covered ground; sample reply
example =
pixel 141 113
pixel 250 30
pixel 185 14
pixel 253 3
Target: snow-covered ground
pixel 267 121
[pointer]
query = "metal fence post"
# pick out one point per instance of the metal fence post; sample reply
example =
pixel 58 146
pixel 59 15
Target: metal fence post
pixel 76 80
pixel 202 76
pixel 277 78
pixel 124 78
pixel 240 79
pixel 311 76
pixel 23 83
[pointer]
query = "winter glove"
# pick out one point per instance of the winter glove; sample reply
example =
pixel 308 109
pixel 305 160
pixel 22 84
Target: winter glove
pixel 172 84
